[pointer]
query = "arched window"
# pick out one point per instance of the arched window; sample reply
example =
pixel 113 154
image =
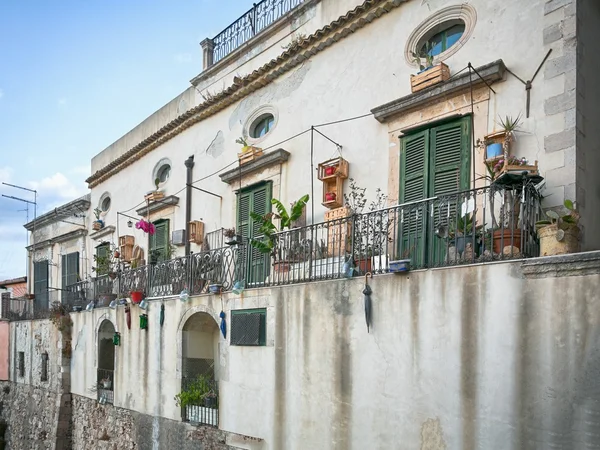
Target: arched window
pixel 106 362
pixel 442 40
pixel 200 374
pixel 262 126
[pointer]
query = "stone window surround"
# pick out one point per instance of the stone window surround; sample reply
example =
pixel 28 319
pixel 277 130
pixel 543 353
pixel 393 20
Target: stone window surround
pixel 103 197
pixel 463 12
pixel 253 119
pixel 159 165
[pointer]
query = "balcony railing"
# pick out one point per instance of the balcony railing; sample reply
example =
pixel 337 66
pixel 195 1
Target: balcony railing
pixel 29 309
pixel 261 16
pixel 105 387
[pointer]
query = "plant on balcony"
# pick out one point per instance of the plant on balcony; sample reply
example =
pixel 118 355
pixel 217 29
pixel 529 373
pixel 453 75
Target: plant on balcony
pixel 196 393
pixel 270 242
pixel 233 238
pixel 424 58
pixel 98 224
pixel 559 234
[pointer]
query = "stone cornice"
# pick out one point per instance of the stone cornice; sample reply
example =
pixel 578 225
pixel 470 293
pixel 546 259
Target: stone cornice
pixel 58 239
pixel 79 205
pixel 490 73
pixel 278 156
pixel 159 205
pixel 587 263
pixel 323 38
pixel 103 232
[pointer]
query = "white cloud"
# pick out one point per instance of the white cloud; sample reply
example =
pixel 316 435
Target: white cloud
pixel 59 188
pixel 183 58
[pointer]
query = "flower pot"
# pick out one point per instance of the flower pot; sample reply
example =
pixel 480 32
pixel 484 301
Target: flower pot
pixel 281 266
pixel 137 296
pixel 329 171
pixel 363 265
pixel 237 239
pixel 460 242
pixel 550 245
pixel 112 275
pixel 330 196
pixel 402 265
pixel 97 225
pixel 493 150
pixel 117 254
pixel 215 288
pixel 511 238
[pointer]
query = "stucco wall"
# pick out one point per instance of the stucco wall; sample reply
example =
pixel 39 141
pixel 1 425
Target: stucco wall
pixel 4 349
pixel 486 356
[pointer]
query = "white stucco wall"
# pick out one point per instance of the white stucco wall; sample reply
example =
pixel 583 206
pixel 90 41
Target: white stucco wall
pixel 485 356
pixel 364 70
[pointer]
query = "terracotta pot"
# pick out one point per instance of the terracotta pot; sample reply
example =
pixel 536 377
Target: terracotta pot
pixel 549 245
pixel 364 265
pixel 509 239
pixel 137 296
pixel 330 196
pixel 329 171
pixel 281 266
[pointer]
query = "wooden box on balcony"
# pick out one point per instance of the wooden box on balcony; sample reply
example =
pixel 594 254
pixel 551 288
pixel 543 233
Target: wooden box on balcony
pixel 338 232
pixel 126 252
pixel 429 77
pixel 196 232
pixel 338 213
pixel 126 240
pixel 154 196
pixel 249 155
pixel 336 167
pixel 333 193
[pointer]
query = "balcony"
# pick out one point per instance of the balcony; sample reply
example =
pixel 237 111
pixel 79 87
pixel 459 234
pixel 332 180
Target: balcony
pixel 262 15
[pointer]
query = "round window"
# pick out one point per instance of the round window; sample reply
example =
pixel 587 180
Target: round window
pixel 105 204
pixel 262 126
pixel 163 173
pixel 438 42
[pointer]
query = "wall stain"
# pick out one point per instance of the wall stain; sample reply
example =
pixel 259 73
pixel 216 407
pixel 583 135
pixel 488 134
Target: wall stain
pixel 432 435
pixel 217 146
pixel 279 432
pixel 469 358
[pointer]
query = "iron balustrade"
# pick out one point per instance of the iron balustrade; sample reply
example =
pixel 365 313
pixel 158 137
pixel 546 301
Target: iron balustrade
pixel 260 17
pixel 106 386
pixel 206 411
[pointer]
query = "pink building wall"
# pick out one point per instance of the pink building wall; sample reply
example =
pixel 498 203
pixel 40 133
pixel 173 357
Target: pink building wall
pixel 4 348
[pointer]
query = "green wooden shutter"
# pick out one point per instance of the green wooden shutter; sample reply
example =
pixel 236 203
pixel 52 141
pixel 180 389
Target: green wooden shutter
pixel 159 242
pixel 40 283
pixel 258 200
pixel 102 255
pixel 414 163
pixel 70 269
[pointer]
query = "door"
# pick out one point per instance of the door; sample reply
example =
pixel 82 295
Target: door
pixel 159 242
pixel 40 284
pixel 434 162
pixel 70 274
pixel 255 199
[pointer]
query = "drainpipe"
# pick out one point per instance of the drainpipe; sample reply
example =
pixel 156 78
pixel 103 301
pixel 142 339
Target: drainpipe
pixel 189 164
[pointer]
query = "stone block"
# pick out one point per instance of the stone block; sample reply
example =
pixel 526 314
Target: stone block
pixel 553 5
pixel 562 176
pixel 571 191
pixel 560 64
pixel 560 103
pixel 554 160
pixel 553 196
pixel 552 33
pixel 569 27
pixel 559 141
pixel 570 118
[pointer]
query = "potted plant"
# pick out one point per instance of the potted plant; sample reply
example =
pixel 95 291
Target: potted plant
pixel 210 399
pixel 98 224
pixel 155 195
pixel 195 393
pixel 464 233
pixel 270 241
pixel 560 234
pixel 233 238
pixel 429 74
pixel 248 152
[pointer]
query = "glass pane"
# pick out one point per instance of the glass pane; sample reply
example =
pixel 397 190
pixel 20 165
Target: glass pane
pixel 453 34
pixel 164 172
pixel 263 126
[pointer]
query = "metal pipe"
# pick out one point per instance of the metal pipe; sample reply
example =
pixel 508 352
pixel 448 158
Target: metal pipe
pixel 189 164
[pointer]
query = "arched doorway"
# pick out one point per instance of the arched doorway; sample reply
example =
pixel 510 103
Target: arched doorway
pixel 106 362
pixel 200 370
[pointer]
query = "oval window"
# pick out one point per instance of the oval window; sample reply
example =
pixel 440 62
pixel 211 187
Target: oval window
pixel 163 173
pixel 105 205
pixel 439 41
pixel 262 126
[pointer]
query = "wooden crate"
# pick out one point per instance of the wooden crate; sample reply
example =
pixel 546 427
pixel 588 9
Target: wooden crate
pixel 430 77
pixel 126 240
pixel 338 233
pixel 126 251
pixel 196 232
pixel 533 170
pixel 336 167
pixel 333 193
pixel 154 196
pixel 338 213
pixel 250 155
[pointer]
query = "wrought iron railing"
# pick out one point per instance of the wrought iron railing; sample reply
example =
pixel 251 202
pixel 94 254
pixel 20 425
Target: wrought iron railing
pixel 106 386
pixel 23 308
pixel 205 411
pixel 261 16
pixel 76 296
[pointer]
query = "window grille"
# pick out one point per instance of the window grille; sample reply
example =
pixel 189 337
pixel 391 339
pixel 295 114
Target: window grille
pixel 248 327
pixel 21 364
pixel 44 376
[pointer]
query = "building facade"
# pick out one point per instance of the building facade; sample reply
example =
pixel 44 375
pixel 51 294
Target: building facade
pixel 177 318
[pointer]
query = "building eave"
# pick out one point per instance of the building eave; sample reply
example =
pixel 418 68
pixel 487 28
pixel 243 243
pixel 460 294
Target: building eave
pixel 315 43
pixel 66 210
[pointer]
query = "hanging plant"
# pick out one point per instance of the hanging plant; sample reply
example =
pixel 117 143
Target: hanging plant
pixel 145 226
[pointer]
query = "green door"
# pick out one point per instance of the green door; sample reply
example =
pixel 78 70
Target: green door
pixel 159 242
pixel 255 199
pixel 69 272
pixel 40 284
pixel 434 162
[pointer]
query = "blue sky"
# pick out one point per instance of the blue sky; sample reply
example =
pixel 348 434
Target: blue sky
pixel 75 76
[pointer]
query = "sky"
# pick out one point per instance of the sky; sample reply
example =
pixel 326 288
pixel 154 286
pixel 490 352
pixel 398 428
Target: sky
pixel 76 75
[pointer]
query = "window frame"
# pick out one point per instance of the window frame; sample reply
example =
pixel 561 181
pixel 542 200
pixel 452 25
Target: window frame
pixel 262 332
pixel 21 364
pixel 266 121
pixel 443 33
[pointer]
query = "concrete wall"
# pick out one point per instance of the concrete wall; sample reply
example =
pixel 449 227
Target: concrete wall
pixel 368 63
pixel 4 350
pixel 588 118
pixel 487 356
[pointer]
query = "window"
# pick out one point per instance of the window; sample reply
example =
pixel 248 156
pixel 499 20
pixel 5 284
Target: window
pixel 443 40
pixel 102 259
pixel 433 162
pixel 262 126
pixel 163 173
pixel 44 375
pixel 159 243
pixel 105 206
pixel 40 283
pixel 249 327
pixel 70 269
pixel 255 199
pixel 21 364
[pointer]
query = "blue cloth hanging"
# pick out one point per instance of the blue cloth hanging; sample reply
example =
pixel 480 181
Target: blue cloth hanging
pixel 223 325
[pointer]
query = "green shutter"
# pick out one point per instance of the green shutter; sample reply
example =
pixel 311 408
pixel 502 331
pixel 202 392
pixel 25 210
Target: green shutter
pixel 450 158
pixel 40 283
pixel 70 269
pixel 159 242
pixel 255 199
pixel 102 259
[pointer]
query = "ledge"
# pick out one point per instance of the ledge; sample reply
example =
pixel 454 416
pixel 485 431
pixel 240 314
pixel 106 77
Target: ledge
pixel 490 73
pixel 96 235
pixel 159 205
pixel 275 157
pixel 575 264
pixel 58 239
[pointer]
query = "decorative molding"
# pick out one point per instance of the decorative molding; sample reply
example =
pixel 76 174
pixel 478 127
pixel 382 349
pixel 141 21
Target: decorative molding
pixel 273 158
pixel 253 118
pixel 575 264
pixel 159 205
pixel 359 17
pixel 58 239
pixel 109 229
pixel 490 73
pixel 464 12
pixel 81 204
